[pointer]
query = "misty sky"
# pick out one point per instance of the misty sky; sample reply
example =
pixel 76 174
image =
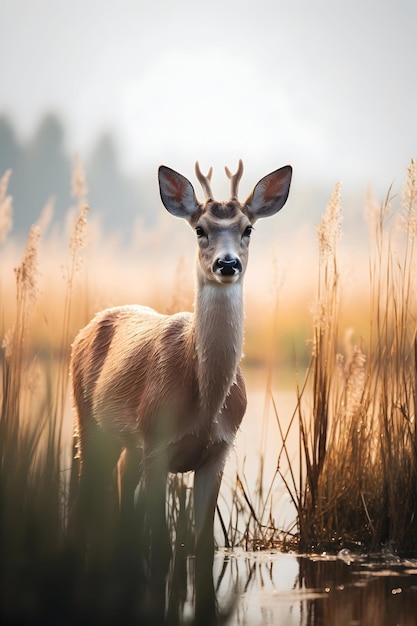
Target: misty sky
pixel 329 86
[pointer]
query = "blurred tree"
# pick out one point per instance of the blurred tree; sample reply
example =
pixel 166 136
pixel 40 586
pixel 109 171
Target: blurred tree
pixel 110 192
pixel 9 146
pixel 42 169
pixel 45 172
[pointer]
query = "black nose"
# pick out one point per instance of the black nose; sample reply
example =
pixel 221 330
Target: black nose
pixel 228 267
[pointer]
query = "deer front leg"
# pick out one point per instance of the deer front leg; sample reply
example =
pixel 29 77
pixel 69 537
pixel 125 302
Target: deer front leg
pixel 155 495
pixel 130 464
pixel 207 481
pixel 156 475
pixel 97 507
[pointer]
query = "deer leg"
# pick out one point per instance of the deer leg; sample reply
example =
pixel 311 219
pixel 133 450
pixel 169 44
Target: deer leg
pixel 156 475
pixel 131 534
pixel 129 474
pixel 207 480
pixel 97 498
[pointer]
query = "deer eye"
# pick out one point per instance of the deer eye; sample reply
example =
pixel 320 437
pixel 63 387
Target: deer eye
pixel 200 232
pixel 247 231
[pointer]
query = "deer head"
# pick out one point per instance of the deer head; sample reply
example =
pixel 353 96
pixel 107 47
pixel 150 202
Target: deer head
pixel 223 229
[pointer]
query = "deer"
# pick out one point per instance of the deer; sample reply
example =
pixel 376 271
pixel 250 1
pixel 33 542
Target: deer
pixel 171 386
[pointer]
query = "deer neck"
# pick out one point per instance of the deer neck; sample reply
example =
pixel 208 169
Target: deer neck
pixel 218 327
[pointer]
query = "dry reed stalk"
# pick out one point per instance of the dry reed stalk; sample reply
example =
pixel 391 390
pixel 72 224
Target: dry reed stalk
pixel 14 341
pixel 331 441
pixel 387 486
pixel 314 434
pixel 395 389
pixel 29 480
pixel 77 242
pixel 358 479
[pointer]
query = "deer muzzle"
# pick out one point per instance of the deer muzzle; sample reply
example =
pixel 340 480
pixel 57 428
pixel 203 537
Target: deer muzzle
pixel 227 267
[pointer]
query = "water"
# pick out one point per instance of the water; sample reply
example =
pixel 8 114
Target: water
pixel 276 589
pixel 281 589
pixel 285 589
pixel 257 449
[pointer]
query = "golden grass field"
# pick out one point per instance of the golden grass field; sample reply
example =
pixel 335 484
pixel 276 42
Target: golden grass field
pixel 335 324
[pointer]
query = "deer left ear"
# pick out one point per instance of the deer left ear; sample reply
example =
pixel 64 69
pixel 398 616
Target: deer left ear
pixel 177 193
pixel 269 194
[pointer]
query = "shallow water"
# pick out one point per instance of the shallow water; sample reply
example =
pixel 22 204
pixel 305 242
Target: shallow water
pixel 280 589
pixel 272 588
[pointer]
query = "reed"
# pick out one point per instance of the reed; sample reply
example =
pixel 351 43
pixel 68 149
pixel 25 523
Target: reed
pixel 30 473
pixel 356 410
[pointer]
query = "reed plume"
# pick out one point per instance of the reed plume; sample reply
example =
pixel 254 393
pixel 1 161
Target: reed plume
pixel 14 342
pixel 358 441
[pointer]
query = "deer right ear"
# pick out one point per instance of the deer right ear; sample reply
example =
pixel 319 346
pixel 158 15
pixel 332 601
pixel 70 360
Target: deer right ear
pixel 177 193
pixel 270 194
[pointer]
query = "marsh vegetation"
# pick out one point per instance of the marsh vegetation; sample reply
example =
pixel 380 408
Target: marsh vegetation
pixel 346 452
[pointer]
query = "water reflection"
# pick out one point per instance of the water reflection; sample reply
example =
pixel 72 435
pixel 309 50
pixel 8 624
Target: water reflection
pixel 365 591
pixel 287 590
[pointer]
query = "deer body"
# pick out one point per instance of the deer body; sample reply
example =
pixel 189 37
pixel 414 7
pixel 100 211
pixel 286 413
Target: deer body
pixel 172 383
pixel 136 392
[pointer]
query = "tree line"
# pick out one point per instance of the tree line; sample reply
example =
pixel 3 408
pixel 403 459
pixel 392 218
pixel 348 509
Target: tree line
pixel 42 169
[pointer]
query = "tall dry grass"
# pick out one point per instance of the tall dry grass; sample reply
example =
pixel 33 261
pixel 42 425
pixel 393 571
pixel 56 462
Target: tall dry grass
pixel 356 409
pixel 37 581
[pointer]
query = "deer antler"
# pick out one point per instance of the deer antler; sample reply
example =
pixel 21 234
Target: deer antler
pixel 204 181
pixel 234 179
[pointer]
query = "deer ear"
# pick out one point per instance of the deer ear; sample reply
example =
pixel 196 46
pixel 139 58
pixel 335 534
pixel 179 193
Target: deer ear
pixel 270 194
pixel 177 193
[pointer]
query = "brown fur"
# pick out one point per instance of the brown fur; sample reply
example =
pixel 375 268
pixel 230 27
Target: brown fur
pixel 122 368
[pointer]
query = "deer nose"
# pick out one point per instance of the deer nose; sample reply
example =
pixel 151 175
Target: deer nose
pixel 228 267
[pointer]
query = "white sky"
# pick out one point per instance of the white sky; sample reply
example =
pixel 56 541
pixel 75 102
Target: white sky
pixel 329 86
